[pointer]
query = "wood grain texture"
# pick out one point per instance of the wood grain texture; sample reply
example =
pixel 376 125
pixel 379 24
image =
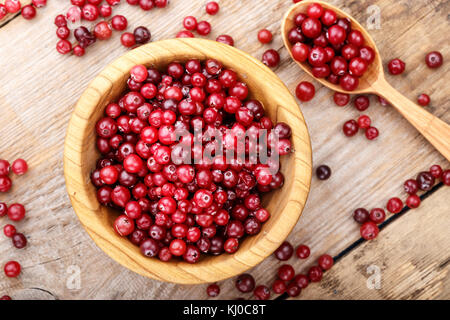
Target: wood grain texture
pixel 436 131
pixel 80 157
pixel 34 123
pixel 416 267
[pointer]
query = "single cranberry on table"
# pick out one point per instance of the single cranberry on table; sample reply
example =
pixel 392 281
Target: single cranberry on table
pixel 12 6
pixel 323 172
pixel 325 262
pixel 301 281
pixel 286 272
pixel 16 212
pixel 245 283
pixel 411 186
pixel 394 205
pixel 423 99
pixel 12 269
pixel 361 215
pixel 293 290
pixel 396 67
pixel 413 201
pixel 271 58
pixel 213 290
pixel 284 251
pixel 377 215
pixel 261 292
pixel 315 274
pixel 341 99
pixel 434 59
pixel 28 12
pixel 305 91
pixel 3 209
pixel 369 230
pixel 3 11
pixel 63 46
pixel 303 251
pixel 350 128
pixel 212 8
pixel 265 36
pixel 19 240
pixel 371 133
pixel 119 22
pixel 141 35
pixel 364 121
pixel 5 297
pixel 5 167
pixel 361 103
pixel 203 28
pixel 190 23
pixel 9 230
pixel 425 180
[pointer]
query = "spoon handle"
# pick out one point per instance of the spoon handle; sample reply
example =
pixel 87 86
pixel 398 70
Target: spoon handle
pixel 436 131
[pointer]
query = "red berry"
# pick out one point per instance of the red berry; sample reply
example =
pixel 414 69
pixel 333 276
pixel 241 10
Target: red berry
pixel 261 293
pixel 325 262
pixel 12 6
pixel 434 59
pixel 123 225
pixel 364 122
pixel 350 128
pixel 203 28
pixel 394 205
pixel 371 133
pixel 190 23
pixel 12 269
pixel 413 201
pixel 286 272
pixel 224 38
pixel 279 286
pixel 436 171
pixel 271 58
pixel 303 251
pixel 213 290
pixel 341 99
pixel 28 12
pixel 315 274
pixel 16 212
pixel 377 215
pixel 63 46
pixel 361 103
pixel 9 230
pixel 265 36
pixel 119 22
pixel 396 67
pixel 300 52
pixel 423 100
pixel 212 8
pixel 305 91
pixel 369 230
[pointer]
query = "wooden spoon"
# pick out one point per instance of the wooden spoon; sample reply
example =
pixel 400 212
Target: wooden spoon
pixel 436 131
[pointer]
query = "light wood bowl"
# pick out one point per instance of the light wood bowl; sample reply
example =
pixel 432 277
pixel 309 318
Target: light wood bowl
pixel 80 157
pixel 436 131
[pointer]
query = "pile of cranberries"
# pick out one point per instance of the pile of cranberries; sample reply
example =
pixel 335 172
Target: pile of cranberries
pixel 148 140
pixel 28 12
pixel 91 10
pixel 331 47
pixel 423 182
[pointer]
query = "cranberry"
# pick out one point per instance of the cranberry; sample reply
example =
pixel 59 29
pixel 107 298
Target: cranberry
pixel 19 167
pixel 3 209
pixel 349 82
pixel 434 59
pixel 203 28
pixel 301 281
pixel 423 99
pixel 361 215
pixel 149 248
pixel 62 32
pixel 89 12
pixel 367 54
pixel 377 215
pixel 323 172
pixel 28 12
pixel 63 46
pixel 123 225
pixel 350 128
pixel 369 230
pixel 212 8
pixel 141 35
pixel 224 38
pixel 300 52
pixel 161 3
pixel 4 167
pixel 279 286
pixel 305 91
pixel 341 99
pixel 262 215
pixel 436 171
pixel 120 195
pixel 295 35
pixel 190 23
pixel 177 247
pixel 394 205
pixel 317 57
pixel 231 245
pixel 16 212
pixel 184 34
pixel 371 133
pixel 127 39
pixel 60 21
pixel 357 67
pixel 5 297
pixel 396 67
pixel 315 274
pixel 109 174
pixel 9 230
pixel 311 27
pixel 192 254
pixel 271 58
pixel 338 66
pixel 265 36
pixel 245 283
pixel 213 290
pixel 364 122
pixel 12 6
pixel 19 241
pixel 446 177
pixel 411 186
pixel 302 251
pixel 262 293
pixel 325 262
pixel 105 10
pixel 286 272
pixel 336 34
pixel 413 201
pixel 12 268
pixel 350 51
pixel 329 17
pixel 315 10
pixel 425 181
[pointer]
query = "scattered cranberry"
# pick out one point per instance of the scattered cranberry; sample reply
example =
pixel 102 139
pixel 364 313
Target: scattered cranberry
pixel 434 59
pixel 141 35
pixel 377 215
pixel 212 8
pixel 361 103
pixel 396 67
pixel 446 177
pixel 305 91
pixel 364 122
pixel 303 251
pixel 369 230
pixel 213 290
pixel 436 171
pixel 350 128
pixel 63 46
pixel 341 99
pixel 9 230
pixel 325 262
pixel 411 186
pixel 245 283
pixel 394 205
pixel 12 269
pixel 425 181
pixel 19 240
pixel 301 281
pixel 5 298
pixel 12 6
pixel 262 293
pixel 224 38
pixel 4 168
pixel 323 172
pixel 423 100
pixel 361 215
pixel 265 36
pixel 3 11
pixel 413 201
pixel 315 274
pixel 28 12
pixel 286 272
pixel 203 28
pixel 119 22
pixel 271 58
pixel 284 251
pixel 293 290
pixel 279 286
pixel 371 133
pixel 5 184
pixel 127 39
pixel 3 209
pixel 16 212
pixel 190 23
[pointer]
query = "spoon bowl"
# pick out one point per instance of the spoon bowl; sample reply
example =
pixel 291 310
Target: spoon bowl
pixel 436 131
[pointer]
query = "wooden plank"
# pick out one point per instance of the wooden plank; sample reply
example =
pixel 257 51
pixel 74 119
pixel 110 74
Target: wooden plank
pixel 42 86
pixel 410 256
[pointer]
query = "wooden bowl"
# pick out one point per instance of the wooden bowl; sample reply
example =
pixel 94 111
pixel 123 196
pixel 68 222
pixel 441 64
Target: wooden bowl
pixel 80 157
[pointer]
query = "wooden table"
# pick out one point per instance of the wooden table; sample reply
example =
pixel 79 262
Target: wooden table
pixel 38 91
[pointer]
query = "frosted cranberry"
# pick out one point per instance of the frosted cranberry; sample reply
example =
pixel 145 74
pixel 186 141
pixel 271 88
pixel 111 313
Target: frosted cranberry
pixel 286 272
pixel 264 36
pixel 336 34
pixel 371 133
pixel 203 28
pixel 245 283
pixel 357 67
pixel 300 52
pixel 305 91
pixel 279 286
pixel 364 122
pixel 261 293
pixel 301 281
pixel 12 269
pixel 212 8
pixel 28 12
pixel 141 35
pixel 63 46
pixel 127 39
pixel 349 82
pixel 350 128
pixel 377 215
pixel 311 27
pixel 413 201
pixel 149 248
pixel 16 212
pixel 425 181
pixel 19 241
pixel 123 225
pixel 231 245
pixel 9 230
pixel 271 58
pixel 446 177
pixel 423 99
pixel 396 67
pixel 436 171
pixel 361 103
pixel 369 230
pixel 434 59
pixel 284 251
pixel 341 99
pixel 411 186
pixel 19 167
pixel 361 215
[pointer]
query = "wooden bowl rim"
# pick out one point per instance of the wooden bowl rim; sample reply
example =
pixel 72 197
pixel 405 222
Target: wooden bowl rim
pixel 211 269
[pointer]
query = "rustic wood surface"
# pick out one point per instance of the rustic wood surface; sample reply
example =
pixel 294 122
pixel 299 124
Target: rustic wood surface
pixel 40 88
